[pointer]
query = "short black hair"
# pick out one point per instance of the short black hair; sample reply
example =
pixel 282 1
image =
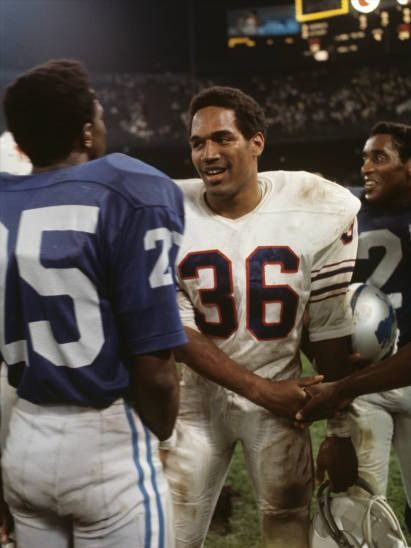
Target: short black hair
pixel 47 107
pixel 400 133
pixel 250 117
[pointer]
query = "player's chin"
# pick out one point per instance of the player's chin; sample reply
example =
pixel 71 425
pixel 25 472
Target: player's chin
pixel 217 188
pixel 372 196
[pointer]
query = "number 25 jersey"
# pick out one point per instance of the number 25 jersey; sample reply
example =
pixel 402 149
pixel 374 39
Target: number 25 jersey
pixel 247 282
pixel 87 258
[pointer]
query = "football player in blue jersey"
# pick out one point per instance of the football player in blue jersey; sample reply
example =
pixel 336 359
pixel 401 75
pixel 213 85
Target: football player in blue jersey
pixel 88 321
pixel 384 261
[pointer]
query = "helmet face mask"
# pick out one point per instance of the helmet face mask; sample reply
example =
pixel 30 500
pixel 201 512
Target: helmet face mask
pixel 357 519
pixel 374 322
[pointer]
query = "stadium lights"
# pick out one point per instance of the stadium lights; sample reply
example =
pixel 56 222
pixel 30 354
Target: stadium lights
pixel 365 6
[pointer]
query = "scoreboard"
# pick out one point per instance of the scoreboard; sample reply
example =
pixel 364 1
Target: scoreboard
pixel 312 10
pixel 311 31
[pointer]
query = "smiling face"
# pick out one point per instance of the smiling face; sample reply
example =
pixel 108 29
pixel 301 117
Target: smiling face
pixel 223 157
pixel 387 179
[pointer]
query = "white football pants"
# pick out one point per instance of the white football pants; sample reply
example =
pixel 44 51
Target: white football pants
pixel 377 421
pixel 85 478
pixel 278 458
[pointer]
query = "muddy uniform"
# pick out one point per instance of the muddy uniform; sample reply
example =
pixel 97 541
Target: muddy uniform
pixel 246 283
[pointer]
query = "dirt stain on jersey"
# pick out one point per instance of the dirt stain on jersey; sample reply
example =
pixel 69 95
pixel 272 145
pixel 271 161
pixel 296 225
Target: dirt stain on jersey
pixel 312 192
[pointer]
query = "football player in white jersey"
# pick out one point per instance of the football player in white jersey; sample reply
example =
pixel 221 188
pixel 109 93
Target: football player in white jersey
pixel 88 320
pixel 260 250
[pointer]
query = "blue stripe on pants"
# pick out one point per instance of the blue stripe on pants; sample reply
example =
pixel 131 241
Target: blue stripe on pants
pixel 140 472
pixel 155 487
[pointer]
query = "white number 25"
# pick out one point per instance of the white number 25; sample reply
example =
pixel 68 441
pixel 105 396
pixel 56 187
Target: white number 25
pixel 49 282
pixel 54 282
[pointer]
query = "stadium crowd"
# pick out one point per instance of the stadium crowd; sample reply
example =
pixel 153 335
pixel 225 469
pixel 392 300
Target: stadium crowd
pixel 150 108
pixel 242 391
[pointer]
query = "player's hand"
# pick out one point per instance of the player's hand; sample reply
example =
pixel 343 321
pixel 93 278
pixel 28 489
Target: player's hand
pixel 324 402
pixel 337 458
pixel 6 522
pixel 285 397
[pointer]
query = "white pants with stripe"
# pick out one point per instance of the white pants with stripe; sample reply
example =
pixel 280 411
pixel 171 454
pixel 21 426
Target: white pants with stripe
pixel 86 478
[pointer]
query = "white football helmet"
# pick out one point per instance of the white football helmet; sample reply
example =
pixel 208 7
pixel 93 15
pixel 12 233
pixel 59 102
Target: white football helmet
pixel 354 520
pixel 374 322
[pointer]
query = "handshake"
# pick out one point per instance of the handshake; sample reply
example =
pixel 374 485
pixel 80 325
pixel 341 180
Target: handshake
pixel 324 400
pixel 304 399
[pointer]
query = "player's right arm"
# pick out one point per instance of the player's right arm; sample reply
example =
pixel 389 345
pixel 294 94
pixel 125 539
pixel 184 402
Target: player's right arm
pixel 206 359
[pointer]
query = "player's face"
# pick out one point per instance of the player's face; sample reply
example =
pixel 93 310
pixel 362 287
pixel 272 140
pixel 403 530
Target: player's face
pixel 98 131
pixel 386 178
pixel 223 157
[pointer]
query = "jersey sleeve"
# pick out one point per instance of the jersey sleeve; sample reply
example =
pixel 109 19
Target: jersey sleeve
pixel 143 284
pixel 328 310
pixel 186 309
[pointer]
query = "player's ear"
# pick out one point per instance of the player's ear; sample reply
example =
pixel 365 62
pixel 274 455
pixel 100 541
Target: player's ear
pixel 87 135
pixel 257 143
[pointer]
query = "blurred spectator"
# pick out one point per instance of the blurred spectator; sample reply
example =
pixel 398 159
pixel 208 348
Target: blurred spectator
pixel 149 109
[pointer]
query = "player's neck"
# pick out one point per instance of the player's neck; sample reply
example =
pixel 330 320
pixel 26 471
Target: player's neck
pixel 73 159
pixel 236 206
pixel 401 202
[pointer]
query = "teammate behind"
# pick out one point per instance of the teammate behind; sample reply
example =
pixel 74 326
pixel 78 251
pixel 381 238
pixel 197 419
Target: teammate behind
pixel 259 250
pixel 88 319
pixel 384 261
pixel 384 254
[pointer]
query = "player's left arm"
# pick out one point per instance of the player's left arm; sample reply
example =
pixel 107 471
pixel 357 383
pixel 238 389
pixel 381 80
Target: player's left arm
pixel 154 388
pixel 329 328
pixel 143 296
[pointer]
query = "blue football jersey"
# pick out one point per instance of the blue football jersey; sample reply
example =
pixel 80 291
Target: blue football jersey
pixel 384 257
pixel 87 259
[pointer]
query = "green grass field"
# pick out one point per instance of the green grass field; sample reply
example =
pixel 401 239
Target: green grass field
pixel 244 521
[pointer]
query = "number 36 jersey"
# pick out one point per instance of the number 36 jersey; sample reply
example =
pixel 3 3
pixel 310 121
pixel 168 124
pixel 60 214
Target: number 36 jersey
pixel 384 257
pixel 247 282
pixel 87 259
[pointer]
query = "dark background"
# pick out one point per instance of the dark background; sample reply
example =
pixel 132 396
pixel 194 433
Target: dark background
pixel 188 37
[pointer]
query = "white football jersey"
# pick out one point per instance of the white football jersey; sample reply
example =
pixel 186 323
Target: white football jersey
pixel 247 282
